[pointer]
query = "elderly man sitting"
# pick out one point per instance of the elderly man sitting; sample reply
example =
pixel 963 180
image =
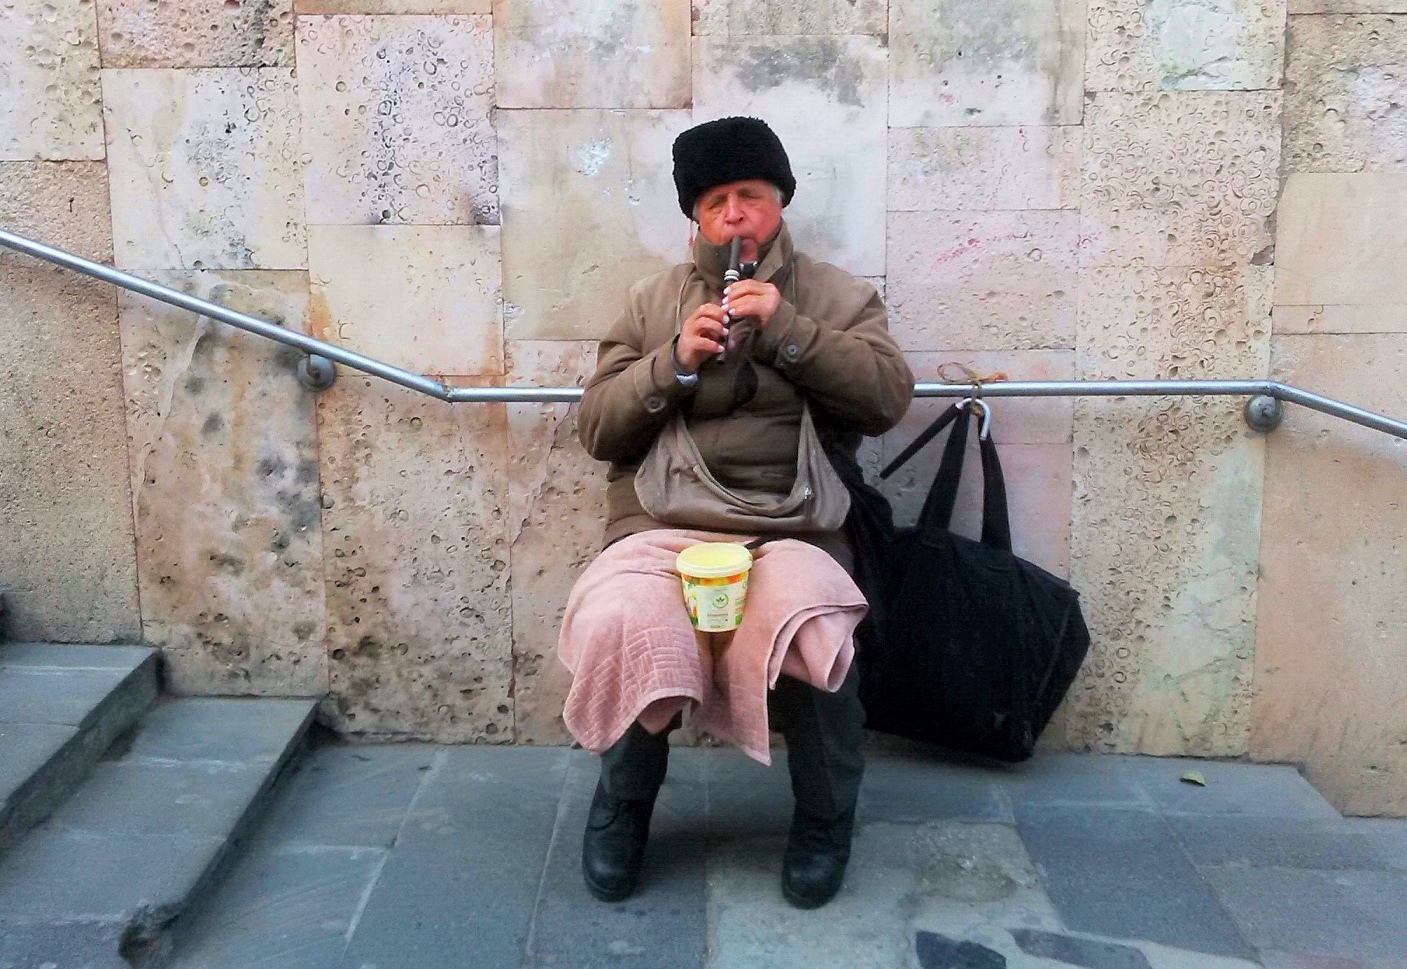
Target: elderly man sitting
pixel 745 368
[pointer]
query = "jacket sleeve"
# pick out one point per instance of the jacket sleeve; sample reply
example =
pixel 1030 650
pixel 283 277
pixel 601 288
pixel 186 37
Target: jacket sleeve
pixel 855 371
pixel 632 393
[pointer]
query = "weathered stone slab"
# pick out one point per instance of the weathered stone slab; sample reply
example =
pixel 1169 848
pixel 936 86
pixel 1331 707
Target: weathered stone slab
pixel 557 503
pixel 52 107
pixel 415 531
pixel 607 54
pixel 1341 239
pixel 1329 649
pixel 979 169
pixel 1004 63
pixel 1180 179
pixel 422 297
pixel 63 204
pixel 589 207
pixel 392 6
pixel 66 542
pixel 205 169
pixel 1347 6
pixel 824 96
pixel 1166 513
pixel 1343 106
pixel 225 473
pixel 1184 45
pixel 196 33
pixel 749 18
pixel 983 280
pixel 404 131
pixel 1382 318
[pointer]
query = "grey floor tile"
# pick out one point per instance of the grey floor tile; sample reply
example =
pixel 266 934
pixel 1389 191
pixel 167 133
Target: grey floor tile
pixel 204 798
pixel 747 799
pixel 1217 840
pixel 906 787
pixel 66 945
pixel 219 728
pixel 24 749
pixel 1055 778
pixel 1121 874
pixel 349 795
pixel 662 926
pixel 1360 914
pixel 1252 790
pixel 1388 836
pixel 281 909
pixel 47 695
pixel 72 656
pixel 465 873
pixel 56 874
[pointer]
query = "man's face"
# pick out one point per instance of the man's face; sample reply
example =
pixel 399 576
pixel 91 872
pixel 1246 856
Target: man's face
pixel 749 209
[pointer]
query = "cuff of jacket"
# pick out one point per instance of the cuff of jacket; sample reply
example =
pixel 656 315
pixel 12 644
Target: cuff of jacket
pixel 655 382
pixel 783 343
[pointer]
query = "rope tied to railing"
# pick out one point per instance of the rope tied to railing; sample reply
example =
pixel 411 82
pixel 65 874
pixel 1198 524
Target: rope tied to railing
pixel 975 380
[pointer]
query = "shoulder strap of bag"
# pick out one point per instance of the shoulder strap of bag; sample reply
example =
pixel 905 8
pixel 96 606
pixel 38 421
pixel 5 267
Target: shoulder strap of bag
pixel 928 434
pixel 943 495
pixel 996 523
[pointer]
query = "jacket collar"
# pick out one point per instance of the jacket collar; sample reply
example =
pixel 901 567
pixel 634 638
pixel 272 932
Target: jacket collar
pixel 711 261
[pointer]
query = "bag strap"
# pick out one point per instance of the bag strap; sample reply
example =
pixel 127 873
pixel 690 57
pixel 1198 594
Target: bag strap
pixel 943 494
pixel 996 523
pixel 928 434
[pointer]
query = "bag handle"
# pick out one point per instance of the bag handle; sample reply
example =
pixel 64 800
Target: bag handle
pixel 942 496
pixel 928 434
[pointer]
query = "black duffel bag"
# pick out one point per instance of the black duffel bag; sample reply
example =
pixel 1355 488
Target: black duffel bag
pixel 978 646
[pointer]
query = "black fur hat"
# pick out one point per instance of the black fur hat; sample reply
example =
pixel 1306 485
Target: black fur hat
pixel 729 150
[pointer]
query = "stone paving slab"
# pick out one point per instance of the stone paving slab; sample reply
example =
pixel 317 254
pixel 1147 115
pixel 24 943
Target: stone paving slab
pixel 139 797
pixel 1096 870
pixel 284 907
pixel 902 788
pixel 220 728
pixel 1252 790
pixel 1359 914
pixel 1388 836
pixel 27 748
pixel 465 875
pixel 1121 873
pixel 57 875
pixel 1275 843
pixel 40 694
pixel 349 796
pixel 72 656
pixel 663 926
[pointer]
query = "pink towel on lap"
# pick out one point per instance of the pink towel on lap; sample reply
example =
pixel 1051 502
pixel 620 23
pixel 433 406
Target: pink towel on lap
pixel 634 655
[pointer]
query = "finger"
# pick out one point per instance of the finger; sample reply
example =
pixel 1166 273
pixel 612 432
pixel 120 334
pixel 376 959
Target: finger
pixel 712 329
pixel 711 311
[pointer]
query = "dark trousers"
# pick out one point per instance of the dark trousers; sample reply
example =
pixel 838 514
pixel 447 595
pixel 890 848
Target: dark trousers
pixel 823 732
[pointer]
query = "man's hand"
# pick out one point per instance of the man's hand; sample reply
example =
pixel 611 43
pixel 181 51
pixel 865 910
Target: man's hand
pixel 748 297
pixel 700 338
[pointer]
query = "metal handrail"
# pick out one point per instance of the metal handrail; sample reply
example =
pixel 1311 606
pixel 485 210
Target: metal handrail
pixel 1272 389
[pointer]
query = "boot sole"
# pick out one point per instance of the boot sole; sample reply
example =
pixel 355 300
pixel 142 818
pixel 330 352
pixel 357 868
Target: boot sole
pixel 804 901
pixel 619 895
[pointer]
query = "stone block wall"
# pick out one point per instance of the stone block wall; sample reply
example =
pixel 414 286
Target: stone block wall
pixel 1057 189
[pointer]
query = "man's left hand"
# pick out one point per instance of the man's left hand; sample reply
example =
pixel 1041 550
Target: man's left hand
pixel 748 297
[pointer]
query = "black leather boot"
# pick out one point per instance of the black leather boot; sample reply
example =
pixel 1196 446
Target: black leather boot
pixel 813 865
pixel 613 847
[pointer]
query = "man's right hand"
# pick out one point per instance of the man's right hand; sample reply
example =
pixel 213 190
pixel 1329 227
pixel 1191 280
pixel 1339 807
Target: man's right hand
pixel 700 338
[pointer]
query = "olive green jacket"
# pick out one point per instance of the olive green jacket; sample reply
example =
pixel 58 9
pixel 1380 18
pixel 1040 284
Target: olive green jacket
pixel 829 340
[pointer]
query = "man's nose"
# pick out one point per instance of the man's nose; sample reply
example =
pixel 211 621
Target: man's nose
pixel 734 211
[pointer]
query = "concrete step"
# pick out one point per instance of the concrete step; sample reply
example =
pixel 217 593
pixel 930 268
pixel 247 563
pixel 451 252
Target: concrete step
pixel 106 880
pixel 61 707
